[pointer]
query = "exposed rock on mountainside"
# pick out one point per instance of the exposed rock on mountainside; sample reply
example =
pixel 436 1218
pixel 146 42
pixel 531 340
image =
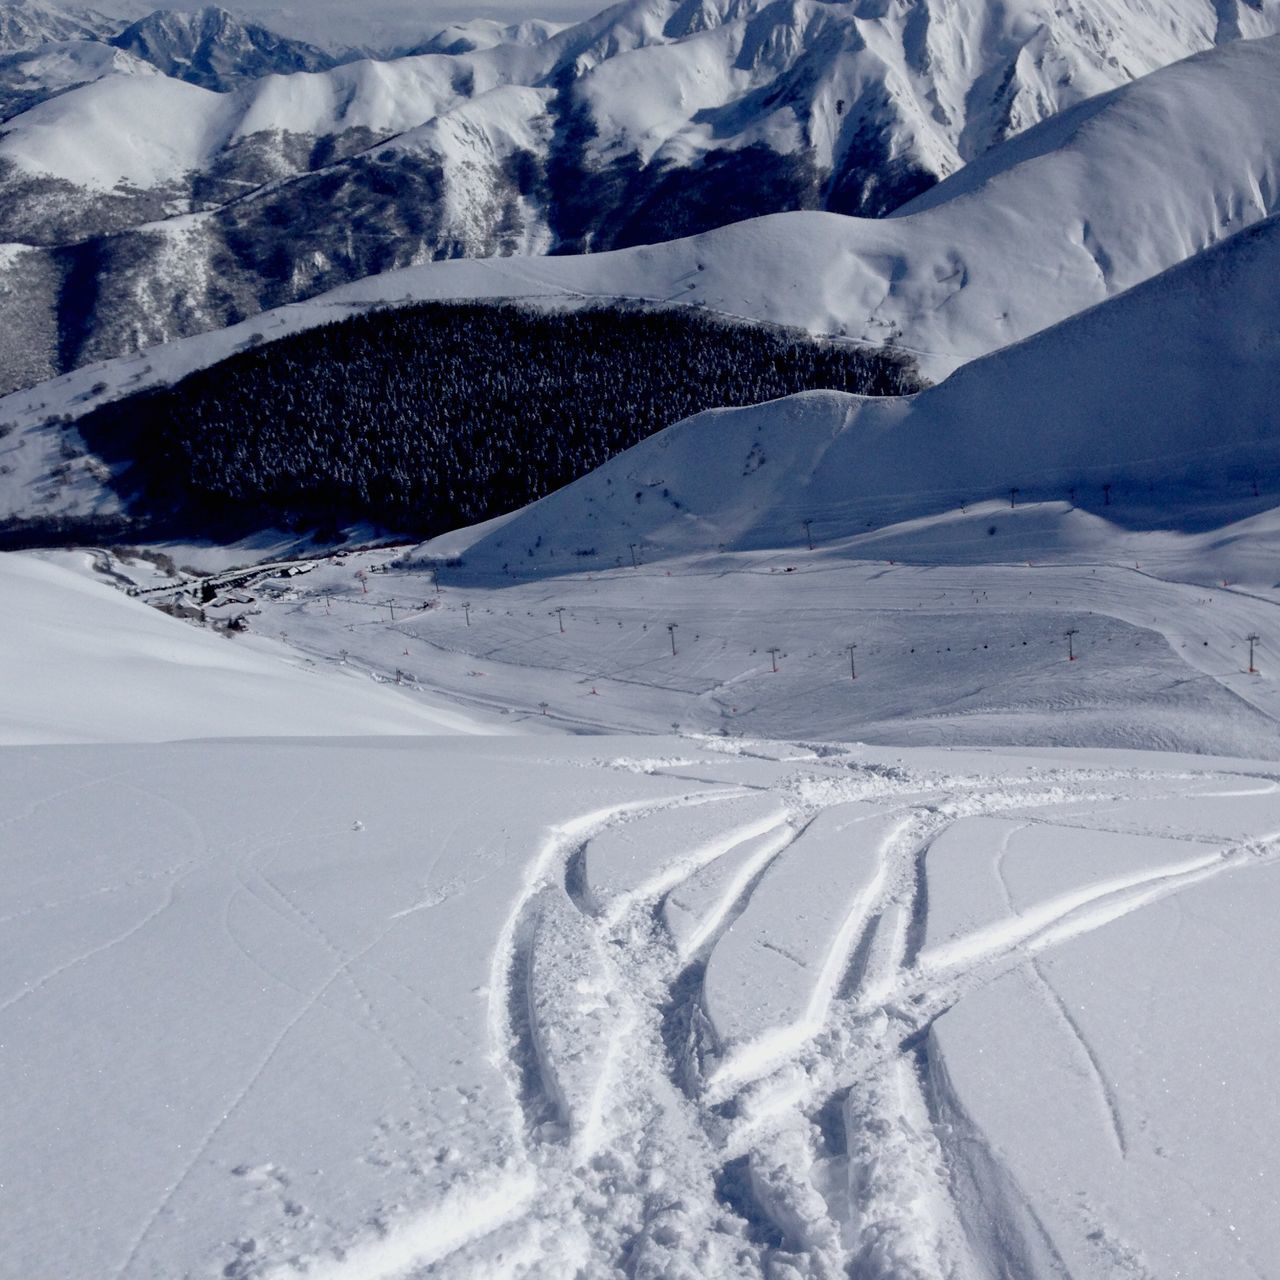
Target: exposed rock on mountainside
pixel 214 49
pixel 27 24
pixel 1086 205
pixel 655 119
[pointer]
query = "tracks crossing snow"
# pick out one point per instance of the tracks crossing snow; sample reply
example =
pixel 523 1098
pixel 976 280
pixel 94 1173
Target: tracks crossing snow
pixel 818 1150
pixel 661 1140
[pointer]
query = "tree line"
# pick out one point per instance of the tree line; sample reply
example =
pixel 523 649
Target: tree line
pixel 422 418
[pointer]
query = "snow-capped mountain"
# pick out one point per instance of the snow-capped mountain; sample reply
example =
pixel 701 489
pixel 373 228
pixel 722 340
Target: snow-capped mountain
pixel 45 52
pixel 214 49
pixel 484 33
pixel 1084 206
pixel 655 119
pixel 32 76
pixel 27 24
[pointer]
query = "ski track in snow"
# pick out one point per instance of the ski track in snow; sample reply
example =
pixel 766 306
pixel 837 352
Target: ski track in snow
pixel 819 1154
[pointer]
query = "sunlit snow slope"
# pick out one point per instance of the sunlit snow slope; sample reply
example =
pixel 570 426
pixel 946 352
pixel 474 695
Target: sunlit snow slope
pixel 87 664
pixel 188 209
pixel 477 1008
pixel 1085 206
pixel 1168 394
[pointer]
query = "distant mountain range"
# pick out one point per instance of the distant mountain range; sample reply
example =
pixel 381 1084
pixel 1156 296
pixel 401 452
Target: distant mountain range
pixel 141 207
pixel 1086 208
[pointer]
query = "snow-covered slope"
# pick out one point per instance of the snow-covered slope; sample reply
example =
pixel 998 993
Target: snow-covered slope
pixel 351 1011
pixel 88 664
pixel 485 33
pixel 27 24
pixel 1074 211
pixel 31 76
pixel 664 82
pixel 1113 477
pixel 651 121
pixel 1175 384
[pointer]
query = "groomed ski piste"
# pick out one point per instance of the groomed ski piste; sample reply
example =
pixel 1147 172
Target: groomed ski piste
pixel 630 888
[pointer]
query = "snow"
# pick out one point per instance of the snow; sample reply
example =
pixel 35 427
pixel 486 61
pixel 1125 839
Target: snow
pixel 771 976
pixel 1090 1098
pixel 99 667
pixel 636 861
pixel 507 911
pixel 1087 205
pixel 63 64
pixel 1117 396
pixel 386 935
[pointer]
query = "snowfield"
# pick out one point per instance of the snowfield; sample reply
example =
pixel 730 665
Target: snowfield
pixel 837 837
pixel 744 999
pixel 99 667
pixel 415 1008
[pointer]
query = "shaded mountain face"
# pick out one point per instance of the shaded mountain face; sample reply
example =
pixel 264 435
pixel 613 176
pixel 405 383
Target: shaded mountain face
pixel 215 50
pixel 154 209
pixel 1109 408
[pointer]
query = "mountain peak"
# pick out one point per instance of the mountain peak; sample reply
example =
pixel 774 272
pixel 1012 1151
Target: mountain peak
pixel 215 49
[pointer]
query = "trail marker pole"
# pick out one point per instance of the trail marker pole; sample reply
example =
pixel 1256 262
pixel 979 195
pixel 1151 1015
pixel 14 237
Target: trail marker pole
pixel 671 631
pixel 393 611
pixel 808 532
pixel 1071 634
pixel 635 563
pixel 1013 497
pixel 466 609
pixel 1106 495
pixel 1253 639
pixel 559 612
pixel 853 674
pixel 773 653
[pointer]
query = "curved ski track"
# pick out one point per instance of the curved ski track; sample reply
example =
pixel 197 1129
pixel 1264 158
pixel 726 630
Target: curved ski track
pixel 650 1151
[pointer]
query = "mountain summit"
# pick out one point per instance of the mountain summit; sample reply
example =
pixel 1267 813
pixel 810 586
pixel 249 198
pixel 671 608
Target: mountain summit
pixel 177 209
pixel 216 50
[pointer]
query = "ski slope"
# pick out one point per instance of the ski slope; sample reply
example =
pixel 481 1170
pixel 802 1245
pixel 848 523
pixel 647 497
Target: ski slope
pixel 361 1010
pixel 1155 410
pixel 836 837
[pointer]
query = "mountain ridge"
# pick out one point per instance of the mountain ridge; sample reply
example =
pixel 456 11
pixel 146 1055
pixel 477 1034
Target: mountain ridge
pixel 1077 210
pixel 1169 389
pixel 653 120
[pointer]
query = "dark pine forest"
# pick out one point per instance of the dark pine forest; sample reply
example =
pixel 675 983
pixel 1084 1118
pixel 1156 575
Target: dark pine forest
pixel 423 418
